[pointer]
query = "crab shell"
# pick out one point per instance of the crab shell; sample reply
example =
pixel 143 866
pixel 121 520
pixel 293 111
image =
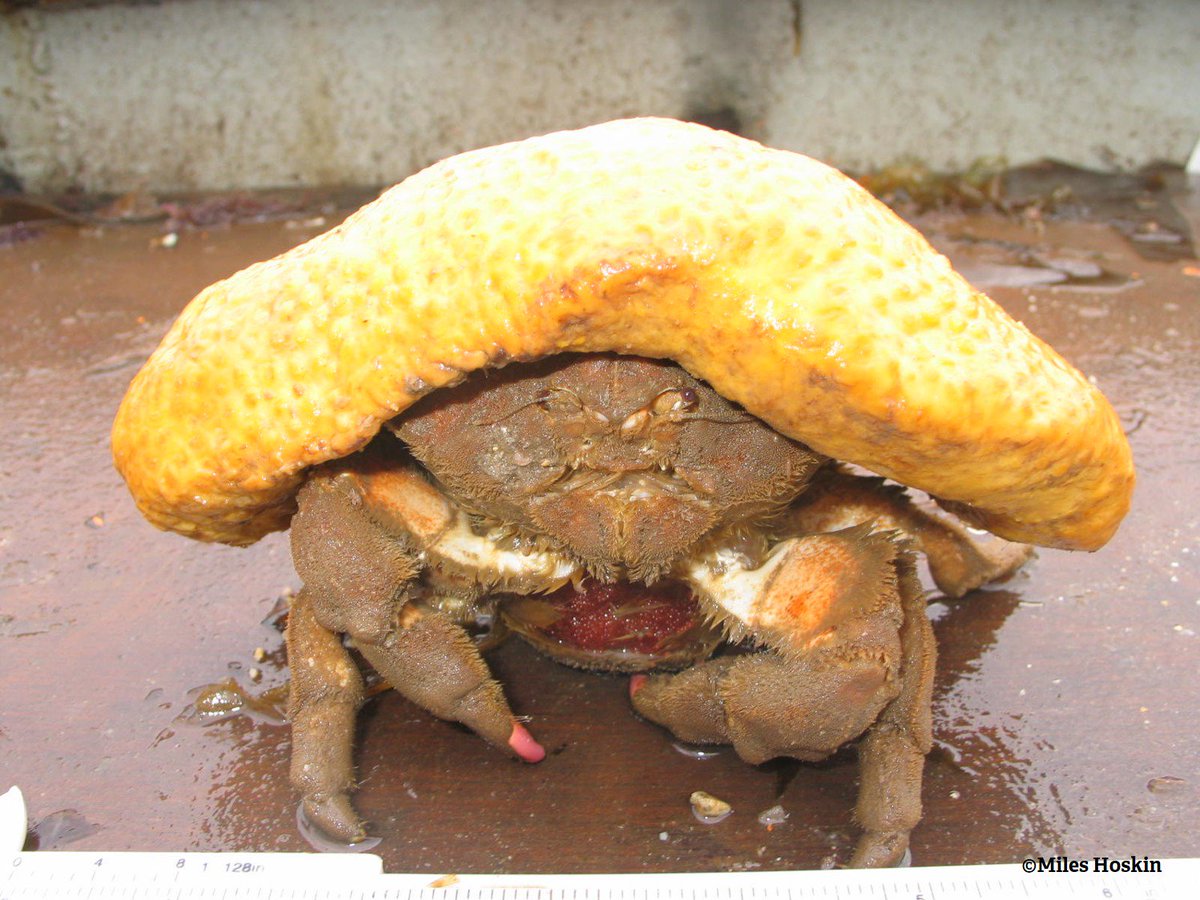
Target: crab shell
pixel 775 278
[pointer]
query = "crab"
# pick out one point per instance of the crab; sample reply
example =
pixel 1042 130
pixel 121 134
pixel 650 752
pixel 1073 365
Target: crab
pixel 617 387
pixel 623 516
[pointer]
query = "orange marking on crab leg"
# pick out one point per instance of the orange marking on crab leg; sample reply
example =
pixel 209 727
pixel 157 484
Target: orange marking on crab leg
pixel 805 589
pixel 401 492
pixel 826 579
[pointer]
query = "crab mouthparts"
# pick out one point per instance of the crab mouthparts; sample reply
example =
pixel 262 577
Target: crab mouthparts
pixel 629 527
pixel 617 627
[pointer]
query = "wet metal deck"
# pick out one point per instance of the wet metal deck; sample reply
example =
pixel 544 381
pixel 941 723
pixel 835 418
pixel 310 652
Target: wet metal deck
pixel 1065 704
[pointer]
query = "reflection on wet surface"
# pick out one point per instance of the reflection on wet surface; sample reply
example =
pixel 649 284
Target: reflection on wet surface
pixel 1065 700
pixel 227 697
pixel 984 745
pixel 57 830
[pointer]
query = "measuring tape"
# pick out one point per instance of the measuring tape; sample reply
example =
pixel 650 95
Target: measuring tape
pixel 347 876
pixel 305 876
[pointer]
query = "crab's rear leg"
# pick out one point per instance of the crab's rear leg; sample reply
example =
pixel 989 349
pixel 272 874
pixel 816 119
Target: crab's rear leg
pixel 850 654
pixel 958 563
pixel 356 545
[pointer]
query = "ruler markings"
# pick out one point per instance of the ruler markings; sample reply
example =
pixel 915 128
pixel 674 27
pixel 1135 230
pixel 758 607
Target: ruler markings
pixel 86 876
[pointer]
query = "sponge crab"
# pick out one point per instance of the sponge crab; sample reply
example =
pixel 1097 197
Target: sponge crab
pixel 694 328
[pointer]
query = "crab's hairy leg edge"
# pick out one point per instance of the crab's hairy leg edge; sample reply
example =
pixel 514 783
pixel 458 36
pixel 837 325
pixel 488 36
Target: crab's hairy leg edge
pixel 688 703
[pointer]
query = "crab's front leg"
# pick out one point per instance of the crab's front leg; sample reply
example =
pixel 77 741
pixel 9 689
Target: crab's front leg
pixel 360 538
pixel 849 653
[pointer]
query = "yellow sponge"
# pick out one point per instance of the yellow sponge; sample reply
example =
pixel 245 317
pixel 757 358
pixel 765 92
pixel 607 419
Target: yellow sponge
pixel 773 277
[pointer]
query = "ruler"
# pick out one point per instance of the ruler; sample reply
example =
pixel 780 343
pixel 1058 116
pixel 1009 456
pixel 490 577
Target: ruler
pixel 305 876
pixel 98 875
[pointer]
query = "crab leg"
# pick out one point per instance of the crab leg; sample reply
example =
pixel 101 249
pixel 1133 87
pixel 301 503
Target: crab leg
pixel 958 564
pixel 433 662
pixel 891 755
pixel 359 566
pixel 402 508
pixel 405 523
pixel 804 590
pixel 769 704
pixel 357 574
pixel 850 653
pixel 358 540
pixel 325 694
pixel 828 609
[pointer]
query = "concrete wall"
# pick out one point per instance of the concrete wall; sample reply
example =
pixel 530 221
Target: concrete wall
pixel 220 93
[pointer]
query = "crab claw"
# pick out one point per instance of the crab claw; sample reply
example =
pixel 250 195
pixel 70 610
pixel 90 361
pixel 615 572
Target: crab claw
pixel 523 744
pixel 333 814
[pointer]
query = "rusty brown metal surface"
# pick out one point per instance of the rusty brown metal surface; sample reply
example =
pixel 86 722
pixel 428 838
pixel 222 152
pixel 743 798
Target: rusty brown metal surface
pixel 1065 701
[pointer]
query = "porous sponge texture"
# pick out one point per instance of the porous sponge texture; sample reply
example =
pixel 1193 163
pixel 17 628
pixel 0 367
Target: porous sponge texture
pixel 773 277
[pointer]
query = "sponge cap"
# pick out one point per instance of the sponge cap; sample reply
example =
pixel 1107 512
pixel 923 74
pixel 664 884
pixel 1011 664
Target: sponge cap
pixel 773 277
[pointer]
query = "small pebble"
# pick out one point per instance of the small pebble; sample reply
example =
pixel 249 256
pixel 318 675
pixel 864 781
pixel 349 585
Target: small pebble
pixel 1166 784
pixel 709 809
pixel 776 815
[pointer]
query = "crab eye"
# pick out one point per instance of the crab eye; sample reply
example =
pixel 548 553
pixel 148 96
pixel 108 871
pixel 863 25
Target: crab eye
pixel 676 400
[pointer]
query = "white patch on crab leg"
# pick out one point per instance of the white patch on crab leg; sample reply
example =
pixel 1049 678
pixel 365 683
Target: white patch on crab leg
pixel 724 578
pixel 805 589
pixel 459 545
pixel 443 532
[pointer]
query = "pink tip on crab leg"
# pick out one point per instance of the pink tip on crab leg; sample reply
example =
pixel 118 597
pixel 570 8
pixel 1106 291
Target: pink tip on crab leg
pixel 524 745
pixel 636 682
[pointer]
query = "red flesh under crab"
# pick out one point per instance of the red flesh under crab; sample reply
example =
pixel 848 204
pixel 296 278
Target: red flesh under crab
pixel 620 626
pixel 622 616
